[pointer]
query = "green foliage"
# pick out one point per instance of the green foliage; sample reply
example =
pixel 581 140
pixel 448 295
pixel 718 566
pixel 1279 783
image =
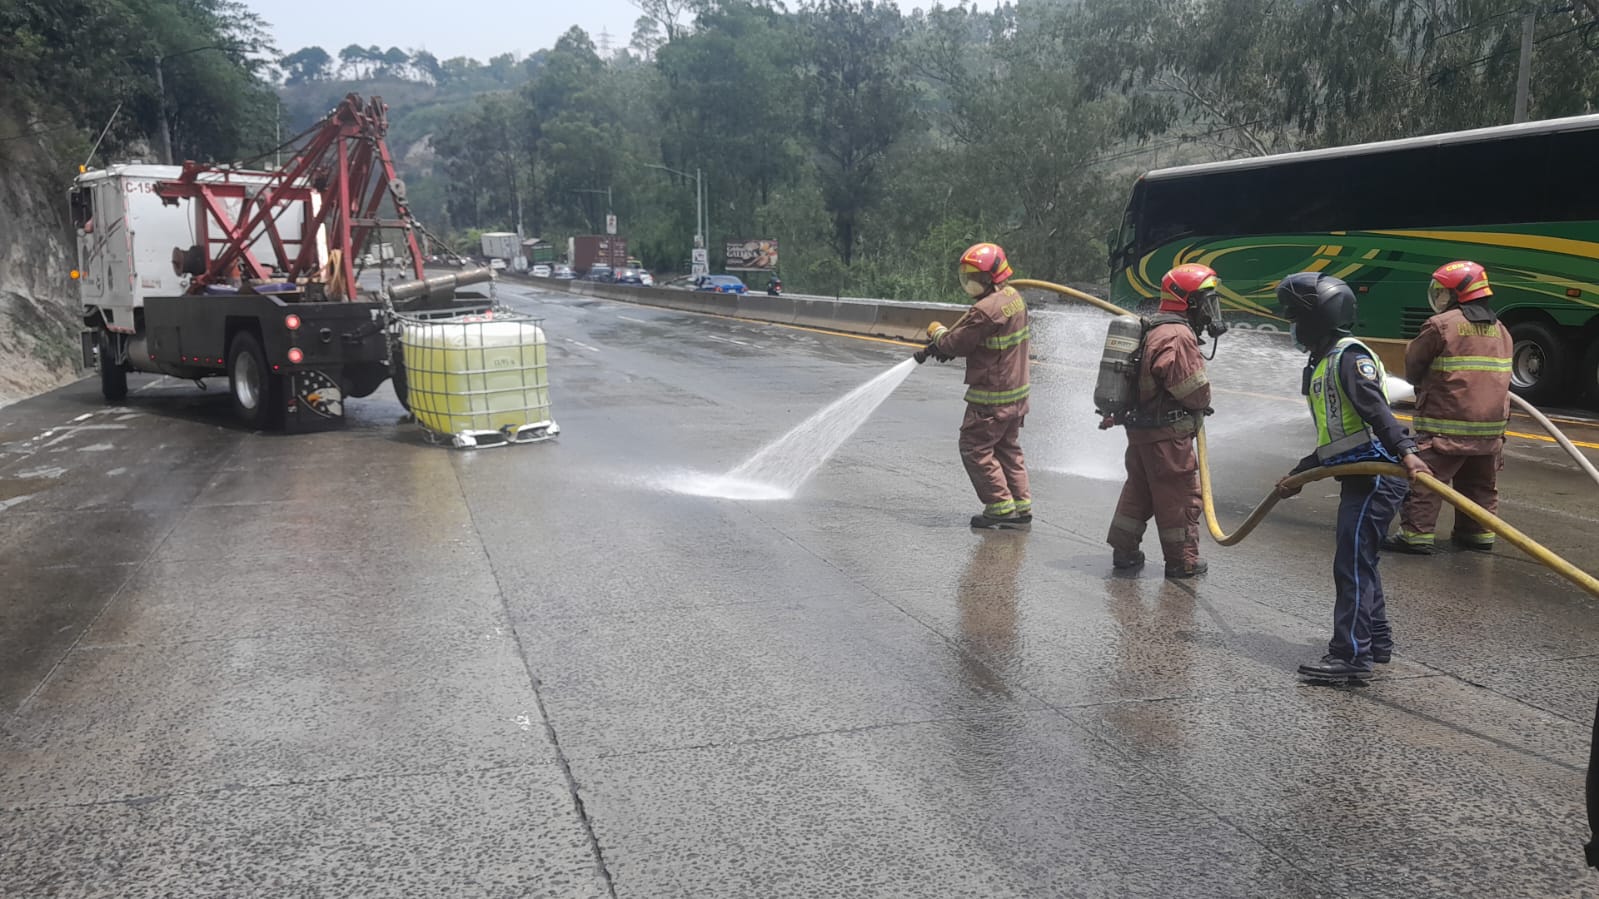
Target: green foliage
pixel 875 145
pixel 67 64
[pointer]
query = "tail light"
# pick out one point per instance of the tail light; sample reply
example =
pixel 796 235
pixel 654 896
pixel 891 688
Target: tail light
pixel 292 322
pixel 295 355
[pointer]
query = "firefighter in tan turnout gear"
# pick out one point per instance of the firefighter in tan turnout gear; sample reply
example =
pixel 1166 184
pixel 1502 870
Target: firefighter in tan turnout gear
pixel 993 336
pixel 1460 365
pixel 1173 392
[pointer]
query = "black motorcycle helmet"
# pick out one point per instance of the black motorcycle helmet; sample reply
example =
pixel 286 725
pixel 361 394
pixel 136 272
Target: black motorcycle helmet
pixel 1320 308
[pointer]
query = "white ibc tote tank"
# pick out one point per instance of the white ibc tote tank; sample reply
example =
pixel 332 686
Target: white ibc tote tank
pixel 479 379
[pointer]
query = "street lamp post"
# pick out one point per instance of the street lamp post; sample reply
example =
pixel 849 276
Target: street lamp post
pixel 161 97
pixel 699 201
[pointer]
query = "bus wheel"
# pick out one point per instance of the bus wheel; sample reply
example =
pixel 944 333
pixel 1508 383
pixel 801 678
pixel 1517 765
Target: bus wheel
pixel 1540 364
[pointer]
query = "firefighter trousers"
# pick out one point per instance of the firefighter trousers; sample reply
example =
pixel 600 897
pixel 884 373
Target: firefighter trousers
pixel 1476 477
pixel 1366 507
pixel 992 454
pixel 1163 483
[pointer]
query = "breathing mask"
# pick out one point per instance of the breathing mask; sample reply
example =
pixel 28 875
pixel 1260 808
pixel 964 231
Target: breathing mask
pixel 1439 296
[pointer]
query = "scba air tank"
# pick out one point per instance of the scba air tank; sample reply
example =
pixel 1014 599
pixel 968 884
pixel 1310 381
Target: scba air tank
pixel 1117 389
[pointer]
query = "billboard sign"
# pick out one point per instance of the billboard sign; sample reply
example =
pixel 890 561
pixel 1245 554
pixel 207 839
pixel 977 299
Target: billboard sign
pixel 752 255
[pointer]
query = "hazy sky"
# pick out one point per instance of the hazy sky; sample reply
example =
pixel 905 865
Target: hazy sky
pixel 477 28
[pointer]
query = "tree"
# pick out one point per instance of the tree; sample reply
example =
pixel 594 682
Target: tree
pixel 307 64
pixel 857 105
pixel 354 61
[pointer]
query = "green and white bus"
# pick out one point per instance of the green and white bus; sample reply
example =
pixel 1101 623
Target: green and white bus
pixel 1522 200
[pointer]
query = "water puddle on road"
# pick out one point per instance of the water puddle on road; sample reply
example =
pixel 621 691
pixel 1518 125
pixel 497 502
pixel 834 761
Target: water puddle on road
pixel 779 469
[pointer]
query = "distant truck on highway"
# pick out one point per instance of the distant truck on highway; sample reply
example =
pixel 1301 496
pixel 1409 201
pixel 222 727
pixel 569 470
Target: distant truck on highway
pixel 591 250
pixel 502 245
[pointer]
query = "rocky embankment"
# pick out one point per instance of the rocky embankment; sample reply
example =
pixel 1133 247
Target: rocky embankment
pixel 38 320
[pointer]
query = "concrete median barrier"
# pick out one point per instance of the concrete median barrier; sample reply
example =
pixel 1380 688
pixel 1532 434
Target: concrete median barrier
pixel 765 308
pixel 907 322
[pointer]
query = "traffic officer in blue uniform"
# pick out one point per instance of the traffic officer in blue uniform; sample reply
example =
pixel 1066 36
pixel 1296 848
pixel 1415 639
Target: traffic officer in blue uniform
pixel 1344 383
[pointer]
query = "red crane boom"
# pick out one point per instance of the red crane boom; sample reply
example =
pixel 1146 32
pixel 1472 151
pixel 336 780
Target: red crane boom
pixel 340 175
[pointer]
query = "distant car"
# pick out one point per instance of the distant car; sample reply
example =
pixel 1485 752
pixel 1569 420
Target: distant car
pixel 600 273
pixel 720 284
pixel 541 271
pixel 630 276
pixel 649 279
pixel 563 273
pixel 497 264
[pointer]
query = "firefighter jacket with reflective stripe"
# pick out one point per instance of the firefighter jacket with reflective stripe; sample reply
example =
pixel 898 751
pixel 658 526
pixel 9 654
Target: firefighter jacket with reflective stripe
pixel 1171 382
pixel 1460 364
pixel 993 336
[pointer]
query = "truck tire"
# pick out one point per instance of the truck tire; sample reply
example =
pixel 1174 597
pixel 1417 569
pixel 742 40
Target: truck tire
pixel 257 393
pixel 1540 362
pixel 364 378
pixel 113 376
pixel 402 386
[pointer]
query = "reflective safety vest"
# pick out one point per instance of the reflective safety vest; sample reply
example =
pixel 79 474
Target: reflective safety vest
pixel 1341 434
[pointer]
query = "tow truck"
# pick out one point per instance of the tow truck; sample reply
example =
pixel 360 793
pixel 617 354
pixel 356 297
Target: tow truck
pixel 206 271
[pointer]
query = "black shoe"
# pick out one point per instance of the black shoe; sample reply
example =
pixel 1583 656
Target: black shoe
pixel 1382 656
pixel 1123 561
pixel 1181 570
pixel 1334 670
pixel 1400 545
pixel 1472 545
pixel 1007 523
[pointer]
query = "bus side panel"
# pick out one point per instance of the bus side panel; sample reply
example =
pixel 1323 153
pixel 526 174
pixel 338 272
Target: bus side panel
pixel 1531 266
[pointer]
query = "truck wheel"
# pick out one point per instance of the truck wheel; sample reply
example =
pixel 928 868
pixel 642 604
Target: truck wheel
pixel 402 386
pixel 113 376
pixel 1540 364
pixel 257 393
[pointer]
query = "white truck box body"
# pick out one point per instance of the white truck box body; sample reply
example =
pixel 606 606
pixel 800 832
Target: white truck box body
pixel 125 246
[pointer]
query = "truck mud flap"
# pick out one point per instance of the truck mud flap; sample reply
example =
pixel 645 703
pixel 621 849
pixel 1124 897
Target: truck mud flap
pixel 313 402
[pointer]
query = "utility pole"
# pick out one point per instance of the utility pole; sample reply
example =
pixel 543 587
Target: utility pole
pixel 1529 20
pixel 166 130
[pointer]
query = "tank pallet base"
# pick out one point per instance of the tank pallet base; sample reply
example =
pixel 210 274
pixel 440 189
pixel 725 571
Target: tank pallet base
pixel 538 432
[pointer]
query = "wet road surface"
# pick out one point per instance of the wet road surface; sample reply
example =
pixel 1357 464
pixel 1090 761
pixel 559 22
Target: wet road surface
pixel 351 663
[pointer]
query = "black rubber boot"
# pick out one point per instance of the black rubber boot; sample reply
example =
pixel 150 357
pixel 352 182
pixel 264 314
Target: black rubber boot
pixel 1334 670
pixel 1122 561
pixel 1182 570
pixel 985 522
pixel 1472 545
pixel 1382 656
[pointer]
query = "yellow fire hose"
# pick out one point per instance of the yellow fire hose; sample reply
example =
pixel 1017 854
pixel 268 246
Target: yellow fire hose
pixel 1482 516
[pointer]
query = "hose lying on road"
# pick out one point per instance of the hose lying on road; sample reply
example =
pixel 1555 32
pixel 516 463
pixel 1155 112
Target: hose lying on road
pixel 1560 438
pixel 1387 469
pixel 1482 516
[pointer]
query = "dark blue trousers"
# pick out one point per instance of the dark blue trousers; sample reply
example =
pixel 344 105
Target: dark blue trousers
pixel 1366 507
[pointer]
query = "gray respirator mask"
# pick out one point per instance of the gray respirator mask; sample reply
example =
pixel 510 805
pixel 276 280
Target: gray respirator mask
pixel 1204 313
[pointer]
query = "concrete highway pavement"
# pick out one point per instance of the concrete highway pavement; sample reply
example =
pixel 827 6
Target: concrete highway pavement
pixel 351 663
